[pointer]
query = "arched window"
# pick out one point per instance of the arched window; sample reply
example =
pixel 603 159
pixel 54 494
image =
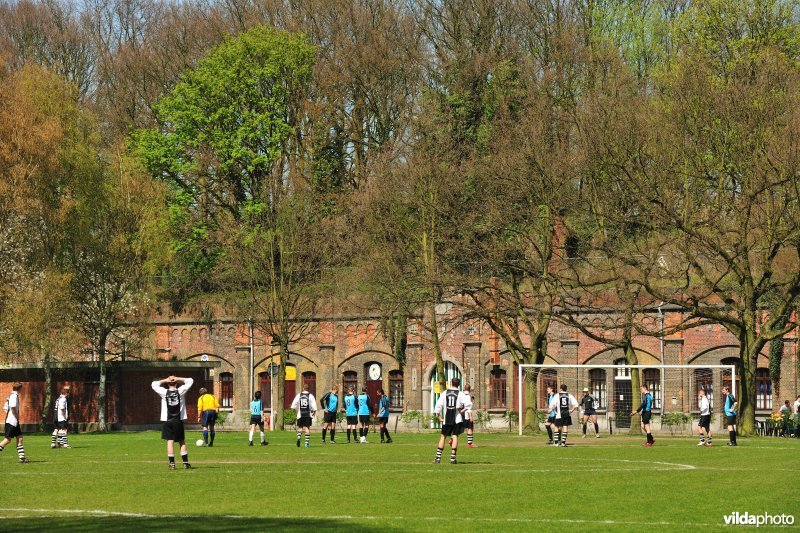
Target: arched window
pixel 310 379
pixel 763 389
pixel 396 392
pixel 726 374
pixel 597 386
pixel 264 385
pixel 349 379
pixel 622 372
pixel 548 378
pixel 704 379
pixel 226 389
pixel 497 385
pixel 652 380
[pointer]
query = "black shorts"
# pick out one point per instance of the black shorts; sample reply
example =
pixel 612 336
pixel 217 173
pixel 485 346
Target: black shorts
pixel 12 431
pixel 210 418
pixel 730 420
pixel 329 418
pixel 255 419
pixel 304 422
pixel 383 419
pixel 449 430
pixel 646 416
pixel 551 419
pixel 352 420
pixel 173 430
pixel 590 413
pixel 64 424
pixel 469 424
pixel 564 421
pixel 705 422
pixel 363 419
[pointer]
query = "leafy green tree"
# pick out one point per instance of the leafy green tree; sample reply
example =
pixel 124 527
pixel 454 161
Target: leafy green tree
pixel 228 136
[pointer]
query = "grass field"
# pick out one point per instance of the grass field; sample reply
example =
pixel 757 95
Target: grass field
pixel 120 482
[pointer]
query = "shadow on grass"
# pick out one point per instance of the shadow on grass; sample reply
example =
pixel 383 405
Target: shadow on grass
pixel 193 524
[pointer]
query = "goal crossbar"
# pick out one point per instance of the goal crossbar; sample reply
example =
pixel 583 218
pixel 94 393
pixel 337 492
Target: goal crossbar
pixel 521 383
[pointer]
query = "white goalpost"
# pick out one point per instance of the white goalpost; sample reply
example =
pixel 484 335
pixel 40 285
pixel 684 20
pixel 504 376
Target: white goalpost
pixel 674 387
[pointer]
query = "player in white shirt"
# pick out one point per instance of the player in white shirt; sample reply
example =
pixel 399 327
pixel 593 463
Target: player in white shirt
pixel 469 422
pixel 173 413
pixel 563 404
pixel 12 429
pixel 61 419
pixel 449 408
pixel 704 425
pixel 306 406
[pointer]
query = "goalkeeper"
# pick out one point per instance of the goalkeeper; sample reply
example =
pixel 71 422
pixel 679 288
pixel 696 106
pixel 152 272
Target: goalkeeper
pixel 588 405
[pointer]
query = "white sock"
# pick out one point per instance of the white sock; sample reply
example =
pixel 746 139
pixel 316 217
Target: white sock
pixel 251 435
pixel 262 436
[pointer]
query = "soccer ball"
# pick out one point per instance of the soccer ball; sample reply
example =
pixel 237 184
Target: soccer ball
pixel 200 442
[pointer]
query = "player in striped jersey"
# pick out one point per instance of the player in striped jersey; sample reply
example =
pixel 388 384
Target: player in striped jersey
pixel 12 429
pixel 173 413
pixel 449 409
pixel 61 419
pixel 563 404
pixel 551 415
pixel 306 407
pixel 704 425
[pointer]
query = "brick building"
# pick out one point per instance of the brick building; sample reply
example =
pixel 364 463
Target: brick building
pixel 351 350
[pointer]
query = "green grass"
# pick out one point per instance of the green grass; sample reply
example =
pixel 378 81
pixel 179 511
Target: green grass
pixel 120 482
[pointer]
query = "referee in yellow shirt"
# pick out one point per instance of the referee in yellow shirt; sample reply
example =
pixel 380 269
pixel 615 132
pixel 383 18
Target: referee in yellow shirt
pixel 207 407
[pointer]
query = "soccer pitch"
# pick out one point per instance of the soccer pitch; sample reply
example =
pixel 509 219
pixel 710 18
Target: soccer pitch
pixel 120 481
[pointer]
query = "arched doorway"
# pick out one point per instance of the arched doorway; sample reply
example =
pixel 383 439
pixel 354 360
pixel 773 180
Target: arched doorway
pixel 623 394
pixel 450 371
pixel 289 386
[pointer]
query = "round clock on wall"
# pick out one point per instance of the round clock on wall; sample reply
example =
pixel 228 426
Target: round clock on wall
pixel 374 371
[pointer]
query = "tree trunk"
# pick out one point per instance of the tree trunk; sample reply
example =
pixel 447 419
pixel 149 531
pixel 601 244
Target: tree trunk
pixel 748 354
pixel 437 348
pixel 280 393
pixel 101 387
pixel 636 381
pixel 48 388
pixel 531 414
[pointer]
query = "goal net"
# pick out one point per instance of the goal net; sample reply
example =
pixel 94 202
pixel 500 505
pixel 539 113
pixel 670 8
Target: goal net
pixel 615 389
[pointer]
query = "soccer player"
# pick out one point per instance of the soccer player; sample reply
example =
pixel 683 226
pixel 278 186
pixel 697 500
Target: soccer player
pixel 704 425
pixel 646 410
pixel 383 415
pixel 449 408
pixel 469 424
pixel 730 414
pixel 61 416
pixel 257 418
pixel 330 404
pixel 551 415
pixel 351 412
pixel 364 403
pixel 207 409
pixel 563 404
pixel 173 413
pixel 12 430
pixel 306 406
pixel 587 404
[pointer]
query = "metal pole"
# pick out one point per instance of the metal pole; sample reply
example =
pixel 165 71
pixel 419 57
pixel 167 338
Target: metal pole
pixel 519 395
pixel 661 339
pixel 252 356
pixel 271 397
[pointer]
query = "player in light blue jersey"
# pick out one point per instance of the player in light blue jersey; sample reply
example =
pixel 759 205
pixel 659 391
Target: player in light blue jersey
pixel 730 414
pixel 383 416
pixel 330 405
pixel 257 417
pixel 351 412
pixel 363 415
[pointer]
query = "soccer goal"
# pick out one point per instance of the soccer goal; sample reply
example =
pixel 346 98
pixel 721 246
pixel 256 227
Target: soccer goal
pixel 615 388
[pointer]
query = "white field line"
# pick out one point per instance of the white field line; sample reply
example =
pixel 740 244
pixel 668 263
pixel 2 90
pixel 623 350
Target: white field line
pixel 47 513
